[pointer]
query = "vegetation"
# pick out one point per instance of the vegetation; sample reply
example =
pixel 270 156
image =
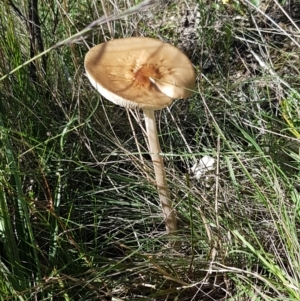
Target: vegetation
pixel 78 219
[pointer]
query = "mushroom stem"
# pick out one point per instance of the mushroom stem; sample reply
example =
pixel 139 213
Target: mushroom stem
pixel 159 170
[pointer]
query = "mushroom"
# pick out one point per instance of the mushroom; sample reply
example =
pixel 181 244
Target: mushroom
pixel 143 73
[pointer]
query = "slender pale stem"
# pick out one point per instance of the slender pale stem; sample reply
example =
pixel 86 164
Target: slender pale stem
pixel 159 170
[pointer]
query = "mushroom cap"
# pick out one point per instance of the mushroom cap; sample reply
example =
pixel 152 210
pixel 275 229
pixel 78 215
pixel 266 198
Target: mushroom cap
pixel 140 72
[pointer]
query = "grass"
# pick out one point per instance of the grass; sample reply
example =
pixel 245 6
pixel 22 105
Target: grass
pixel 79 213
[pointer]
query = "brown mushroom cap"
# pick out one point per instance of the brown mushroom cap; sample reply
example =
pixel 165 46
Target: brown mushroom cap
pixel 140 72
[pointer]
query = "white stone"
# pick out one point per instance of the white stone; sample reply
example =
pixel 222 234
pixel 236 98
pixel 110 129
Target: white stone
pixel 207 163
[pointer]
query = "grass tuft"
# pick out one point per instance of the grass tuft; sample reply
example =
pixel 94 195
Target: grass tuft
pixel 79 212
